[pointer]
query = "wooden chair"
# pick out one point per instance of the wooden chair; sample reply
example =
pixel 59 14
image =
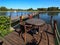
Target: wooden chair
pixel 28 27
pixel 18 31
pixel 21 29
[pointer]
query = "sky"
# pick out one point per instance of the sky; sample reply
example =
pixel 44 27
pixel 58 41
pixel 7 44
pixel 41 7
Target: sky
pixel 25 4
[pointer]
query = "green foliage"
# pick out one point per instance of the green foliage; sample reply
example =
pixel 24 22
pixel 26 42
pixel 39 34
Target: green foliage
pixel 30 9
pixel 4 25
pixel 11 9
pixel 53 9
pixel 52 13
pixel 3 9
pixel 42 9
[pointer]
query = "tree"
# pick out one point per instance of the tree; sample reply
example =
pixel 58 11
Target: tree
pixel 30 9
pixel 52 9
pixel 3 9
pixel 0 9
pixel 41 9
pixel 19 9
pixel 11 9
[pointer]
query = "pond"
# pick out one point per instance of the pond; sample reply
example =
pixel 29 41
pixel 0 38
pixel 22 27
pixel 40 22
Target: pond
pixel 50 15
pixel 14 14
pixel 46 16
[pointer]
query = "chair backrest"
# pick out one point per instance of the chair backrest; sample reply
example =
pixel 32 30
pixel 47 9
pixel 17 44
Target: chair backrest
pixel 27 27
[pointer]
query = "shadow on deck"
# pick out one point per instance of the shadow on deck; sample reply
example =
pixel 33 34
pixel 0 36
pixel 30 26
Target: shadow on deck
pixel 14 39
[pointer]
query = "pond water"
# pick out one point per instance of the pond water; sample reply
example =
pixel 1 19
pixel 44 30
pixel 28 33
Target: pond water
pixel 14 14
pixel 45 16
pixel 50 15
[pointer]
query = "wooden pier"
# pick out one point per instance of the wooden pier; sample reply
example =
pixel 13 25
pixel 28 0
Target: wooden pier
pixel 14 19
pixel 14 39
pixel 48 37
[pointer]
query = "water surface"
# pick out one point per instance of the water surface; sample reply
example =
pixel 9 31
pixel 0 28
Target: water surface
pixel 45 16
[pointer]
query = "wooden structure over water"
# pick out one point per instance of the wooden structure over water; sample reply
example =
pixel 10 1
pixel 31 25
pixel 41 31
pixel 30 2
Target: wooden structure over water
pixel 14 39
pixel 14 19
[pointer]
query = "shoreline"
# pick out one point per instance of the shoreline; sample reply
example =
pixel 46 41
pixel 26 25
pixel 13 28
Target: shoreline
pixel 29 11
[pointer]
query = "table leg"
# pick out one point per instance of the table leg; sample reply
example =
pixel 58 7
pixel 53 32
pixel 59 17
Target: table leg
pixel 25 34
pixel 39 30
pixel 25 38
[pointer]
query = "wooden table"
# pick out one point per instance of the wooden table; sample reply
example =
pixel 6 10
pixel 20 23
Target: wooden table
pixel 36 22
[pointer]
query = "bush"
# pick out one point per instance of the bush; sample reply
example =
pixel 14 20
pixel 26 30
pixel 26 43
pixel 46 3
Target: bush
pixel 4 25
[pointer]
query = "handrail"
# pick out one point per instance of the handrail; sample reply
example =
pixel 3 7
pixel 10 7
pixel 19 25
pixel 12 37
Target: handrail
pixel 57 32
pixel 57 35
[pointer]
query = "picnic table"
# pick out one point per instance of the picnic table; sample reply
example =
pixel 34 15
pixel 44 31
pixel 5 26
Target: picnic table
pixel 36 22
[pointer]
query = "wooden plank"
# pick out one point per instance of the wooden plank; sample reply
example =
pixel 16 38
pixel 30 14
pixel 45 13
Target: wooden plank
pixel 14 39
pixel 51 37
pixel 5 42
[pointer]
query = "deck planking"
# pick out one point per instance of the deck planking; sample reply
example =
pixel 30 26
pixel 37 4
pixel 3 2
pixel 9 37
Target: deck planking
pixel 14 39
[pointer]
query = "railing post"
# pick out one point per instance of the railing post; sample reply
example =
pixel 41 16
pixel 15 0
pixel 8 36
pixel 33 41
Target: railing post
pixel 38 16
pixel 51 21
pixel 17 13
pixel 55 22
pixel 25 34
pixel 56 33
pixel 21 19
pixel 10 19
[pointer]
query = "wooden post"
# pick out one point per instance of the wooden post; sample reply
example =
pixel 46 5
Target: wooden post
pixel 55 23
pixel 17 13
pixel 10 20
pixel 21 19
pixel 25 34
pixel 51 20
pixel 38 16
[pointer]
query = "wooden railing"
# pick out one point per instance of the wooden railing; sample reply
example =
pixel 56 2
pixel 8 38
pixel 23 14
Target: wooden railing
pixel 56 33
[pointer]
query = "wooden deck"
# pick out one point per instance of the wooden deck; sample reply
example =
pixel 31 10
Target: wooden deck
pixel 14 39
pixel 14 19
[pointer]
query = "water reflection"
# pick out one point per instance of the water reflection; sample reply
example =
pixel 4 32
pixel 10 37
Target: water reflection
pixel 3 13
pixel 13 14
pixel 50 16
pixel 46 16
pixel 52 13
